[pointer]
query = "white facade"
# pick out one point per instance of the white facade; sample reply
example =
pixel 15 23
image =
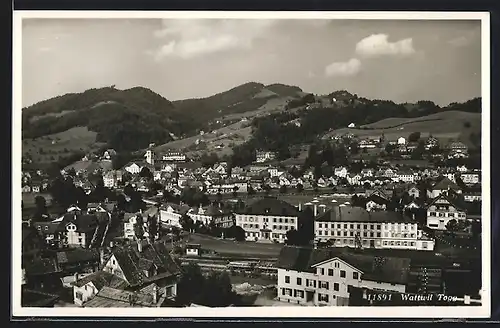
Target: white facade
pixel 150 157
pixel 264 156
pixel 128 228
pixel 266 227
pixel 84 293
pixel 373 206
pixel 440 212
pixel 407 177
pixel 169 217
pixel 174 157
pixel 341 172
pixel 328 285
pixel 133 168
pixel 401 141
pixel 385 235
pixel 73 237
pixel 471 177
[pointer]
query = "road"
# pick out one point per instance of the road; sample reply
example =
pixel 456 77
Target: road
pixel 233 247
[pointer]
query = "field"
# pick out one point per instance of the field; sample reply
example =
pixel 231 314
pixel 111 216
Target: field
pixel 444 126
pixel 49 148
pixel 228 136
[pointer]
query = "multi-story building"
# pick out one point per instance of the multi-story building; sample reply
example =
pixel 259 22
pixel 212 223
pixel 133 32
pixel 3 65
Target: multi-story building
pixel 267 219
pixel 171 214
pixel 212 215
pixel 111 179
pixel 471 177
pixel 264 156
pixel 323 277
pixel 443 209
pixel 174 157
pixel 442 186
pixel 346 226
pixel 406 176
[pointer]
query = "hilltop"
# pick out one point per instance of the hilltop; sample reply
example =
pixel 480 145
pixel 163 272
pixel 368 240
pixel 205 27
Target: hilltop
pixel 244 98
pixel 131 119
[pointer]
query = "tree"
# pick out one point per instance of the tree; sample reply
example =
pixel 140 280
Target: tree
pixel 41 207
pixel 300 187
pixel 283 189
pixel 187 223
pixel 250 190
pixel 139 227
pixel 208 160
pixel 153 227
pixel 236 232
pixel 389 148
pixel 414 137
pixel 452 225
pixel 190 285
pixel 235 191
pixel 146 173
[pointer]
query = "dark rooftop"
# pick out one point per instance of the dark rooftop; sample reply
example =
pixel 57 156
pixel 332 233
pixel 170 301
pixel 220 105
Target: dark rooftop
pixel 358 214
pixel 271 206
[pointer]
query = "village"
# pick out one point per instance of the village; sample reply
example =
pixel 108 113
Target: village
pixel 165 228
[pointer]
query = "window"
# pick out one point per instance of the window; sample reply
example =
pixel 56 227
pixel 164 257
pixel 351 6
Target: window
pixel 79 296
pixel 286 220
pixel 319 232
pixel 379 226
pixel 355 275
pixel 283 291
pixel 299 281
pixel 281 220
pixel 342 273
pixel 324 284
pixel 274 220
pixel 379 234
pixel 320 225
pixel 365 226
pixel 345 233
pixel 359 226
pixel 323 297
pixel 291 221
pixel 330 272
pixel 274 227
pixel 336 286
pixel 287 279
pixel 337 265
pixel 424 244
pixel 371 226
pixel 352 226
pixel 345 226
pixel 322 271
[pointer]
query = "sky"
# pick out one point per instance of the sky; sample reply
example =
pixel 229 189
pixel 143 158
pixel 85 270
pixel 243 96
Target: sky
pixel 397 60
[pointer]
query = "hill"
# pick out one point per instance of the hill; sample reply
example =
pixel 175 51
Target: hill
pixel 451 124
pixel 244 98
pixel 123 119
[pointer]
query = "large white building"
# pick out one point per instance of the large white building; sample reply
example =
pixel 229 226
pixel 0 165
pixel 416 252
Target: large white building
pixel 267 220
pixel 346 226
pixel 443 209
pixel 323 277
pixel 264 156
pixel 171 214
pixel 174 157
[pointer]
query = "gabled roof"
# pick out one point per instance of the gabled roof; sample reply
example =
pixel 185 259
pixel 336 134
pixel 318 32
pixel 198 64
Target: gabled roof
pixel 444 184
pixel 132 263
pixel 459 204
pixel 377 268
pixel 271 206
pixel 377 199
pixel 101 279
pixel 358 214
pixel 49 228
pixel 77 255
pixel 115 298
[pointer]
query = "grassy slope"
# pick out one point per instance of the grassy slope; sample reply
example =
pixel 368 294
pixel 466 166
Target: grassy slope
pixel 60 144
pixel 445 125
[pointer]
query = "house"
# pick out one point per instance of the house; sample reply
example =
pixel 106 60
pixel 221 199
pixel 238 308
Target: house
pixel 472 194
pixel 112 178
pixel 431 143
pixel 151 296
pixel 413 191
pixel 317 277
pixel 264 156
pixel 219 217
pixel 401 141
pixel 52 232
pixel 141 264
pixel 406 175
pixel 193 250
pixel 376 203
pixel 109 154
pixel 351 125
pixel 367 144
pixel 267 219
pixel 354 178
pixel 462 168
pixel 340 172
pixel 443 209
pixel 355 227
pixel 171 214
pixel 79 260
pixel 174 156
pixel 83 230
pixel 443 185
pixel 129 222
pixel 85 288
pixel 367 172
pixel 133 168
pixel 457 147
pixel 471 177
pixel 26 188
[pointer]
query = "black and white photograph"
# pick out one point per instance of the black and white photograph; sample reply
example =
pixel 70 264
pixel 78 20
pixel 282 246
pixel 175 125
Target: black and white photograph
pixel 238 164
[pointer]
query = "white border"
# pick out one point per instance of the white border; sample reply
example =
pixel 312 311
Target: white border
pixel 257 312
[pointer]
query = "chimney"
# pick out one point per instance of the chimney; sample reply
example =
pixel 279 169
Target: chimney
pixel 300 207
pixel 76 276
pixel 139 245
pixel 155 294
pixel 315 210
